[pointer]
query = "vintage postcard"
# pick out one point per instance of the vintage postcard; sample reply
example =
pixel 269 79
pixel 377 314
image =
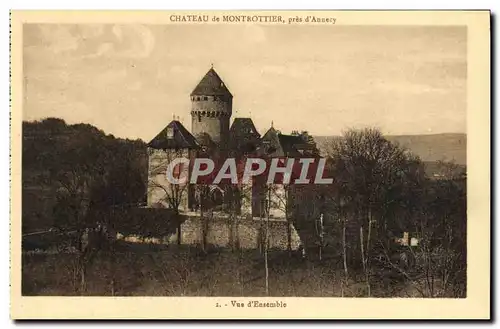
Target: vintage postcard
pixel 250 165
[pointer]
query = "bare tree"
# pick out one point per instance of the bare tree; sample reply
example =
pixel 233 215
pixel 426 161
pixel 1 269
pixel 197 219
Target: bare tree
pixel 235 197
pixel 266 245
pixel 372 176
pixel 434 249
pixel 281 198
pixel 173 194
pixel 343 219
pixel 204 195
pixel 73 216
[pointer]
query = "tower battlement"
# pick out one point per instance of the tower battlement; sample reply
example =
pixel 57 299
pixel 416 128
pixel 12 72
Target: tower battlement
pixel 211 107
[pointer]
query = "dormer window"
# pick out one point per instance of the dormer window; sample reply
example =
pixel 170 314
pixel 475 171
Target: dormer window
pixel 170 132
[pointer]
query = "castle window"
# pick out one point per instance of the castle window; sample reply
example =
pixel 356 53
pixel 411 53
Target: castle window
pixel 170 132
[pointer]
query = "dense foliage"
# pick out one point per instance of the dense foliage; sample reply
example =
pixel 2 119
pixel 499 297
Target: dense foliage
pixel 71 169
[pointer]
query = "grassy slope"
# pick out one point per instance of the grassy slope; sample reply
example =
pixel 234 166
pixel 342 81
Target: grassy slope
pixel 149 271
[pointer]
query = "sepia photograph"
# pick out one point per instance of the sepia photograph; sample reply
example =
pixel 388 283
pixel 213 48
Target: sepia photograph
pixel 251 157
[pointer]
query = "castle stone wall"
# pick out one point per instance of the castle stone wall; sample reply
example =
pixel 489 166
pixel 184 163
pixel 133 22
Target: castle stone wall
pixel 211 115
pixel 247 233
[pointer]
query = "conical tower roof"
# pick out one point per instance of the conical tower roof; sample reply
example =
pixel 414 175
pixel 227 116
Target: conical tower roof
pixel 211 85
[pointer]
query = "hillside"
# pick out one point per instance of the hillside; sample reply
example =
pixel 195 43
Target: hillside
pixel 430 148
pixel 57 157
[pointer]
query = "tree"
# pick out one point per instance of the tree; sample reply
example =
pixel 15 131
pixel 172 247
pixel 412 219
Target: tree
pixel 205 195
pixel 375 179
pixel 281 198
pixel 75 170
pixel 124 184
pixel 306 206
pixel 173 194
pixel 235 196
pixel 436 248
pixel 266 240
pixel 74 182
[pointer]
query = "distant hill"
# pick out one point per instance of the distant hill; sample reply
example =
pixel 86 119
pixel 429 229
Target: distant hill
pixel 449 147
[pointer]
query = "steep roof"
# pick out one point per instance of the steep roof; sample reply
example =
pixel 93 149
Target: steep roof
pixel 290 140
pixel 296 144
pixel 181 138
pixel 287 145
pixel 271 133
pixel 243 135
pixel 211 84
pixel 272 145
pixel 243 127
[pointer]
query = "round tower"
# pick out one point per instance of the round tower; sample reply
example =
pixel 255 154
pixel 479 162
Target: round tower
pixel 212 107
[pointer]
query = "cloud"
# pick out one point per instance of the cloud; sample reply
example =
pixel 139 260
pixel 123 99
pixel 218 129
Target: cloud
pixel 338 80
pixel 58 38
pixel 129 41
pixel 92 40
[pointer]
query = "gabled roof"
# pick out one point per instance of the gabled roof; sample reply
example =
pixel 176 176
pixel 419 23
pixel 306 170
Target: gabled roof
pixel 211 85
pixel 271 143
pixel 243 127
pixel 287 145
pixel 290 140
pixel 297 144
pixel 243 135
pixel 271 133
pixel 181 138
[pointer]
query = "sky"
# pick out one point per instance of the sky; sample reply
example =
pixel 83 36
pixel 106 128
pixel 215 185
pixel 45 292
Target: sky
pixel 130 80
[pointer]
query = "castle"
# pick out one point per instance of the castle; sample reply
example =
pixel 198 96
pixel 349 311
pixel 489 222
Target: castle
pixel 213 135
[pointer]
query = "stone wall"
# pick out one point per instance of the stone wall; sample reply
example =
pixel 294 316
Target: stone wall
pixel 247 233
pixel 211 115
